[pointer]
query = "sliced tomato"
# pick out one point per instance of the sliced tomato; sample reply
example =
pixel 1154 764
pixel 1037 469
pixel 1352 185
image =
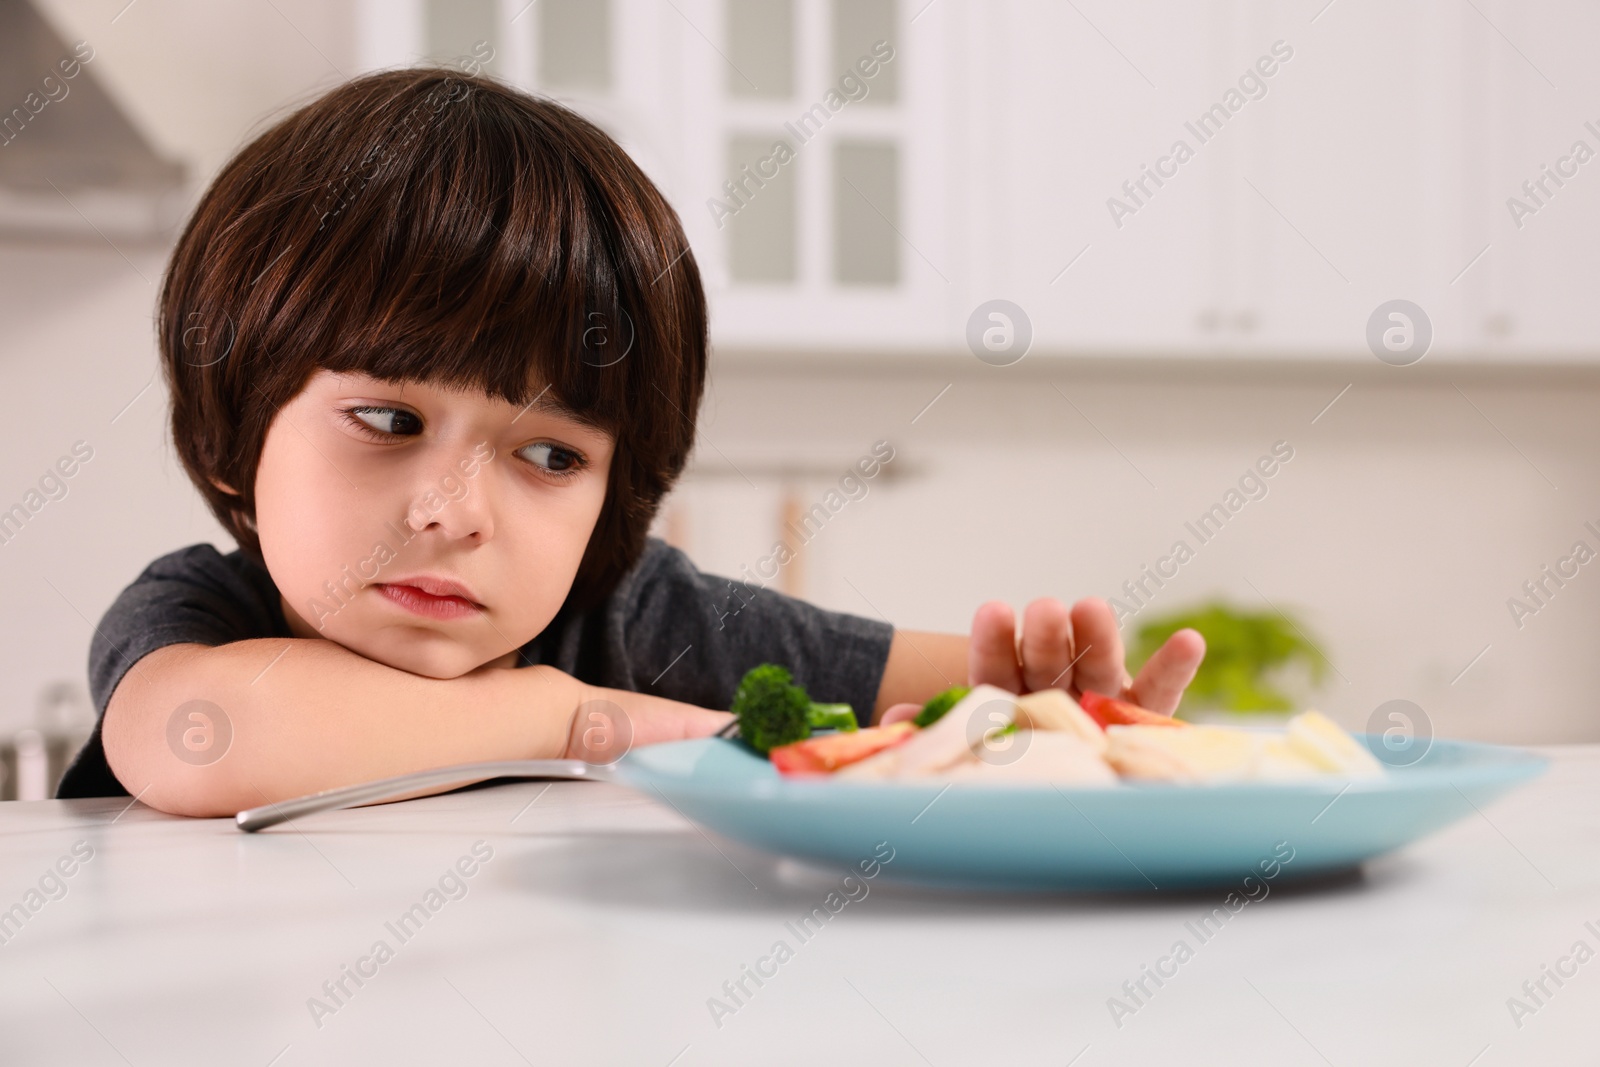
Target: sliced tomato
pixel 828 752
pixel 1109 711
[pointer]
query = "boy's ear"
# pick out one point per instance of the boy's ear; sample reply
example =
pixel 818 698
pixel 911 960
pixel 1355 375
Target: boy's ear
pixel 247 521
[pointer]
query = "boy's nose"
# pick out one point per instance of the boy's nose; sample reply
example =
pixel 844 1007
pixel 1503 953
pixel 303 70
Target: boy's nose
pixel 457 506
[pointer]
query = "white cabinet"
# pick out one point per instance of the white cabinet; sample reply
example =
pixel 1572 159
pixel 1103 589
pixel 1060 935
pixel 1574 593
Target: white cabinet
pixel 1374 163
pixel 1246 181
pixel 1077 101
pixel 1344 188
pixel 1142 178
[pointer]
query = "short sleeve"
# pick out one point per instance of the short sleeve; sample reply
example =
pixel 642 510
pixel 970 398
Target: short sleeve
pixel 675 632
pixel 193 596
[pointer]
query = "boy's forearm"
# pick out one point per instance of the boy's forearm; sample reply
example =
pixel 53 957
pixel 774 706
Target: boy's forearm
pixel 317 716
pixel 920 664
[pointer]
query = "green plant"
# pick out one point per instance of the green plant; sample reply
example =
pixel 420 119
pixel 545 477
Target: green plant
pixel 1243 650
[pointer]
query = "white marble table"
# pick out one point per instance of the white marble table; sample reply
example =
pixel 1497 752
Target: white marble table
pixel 603 923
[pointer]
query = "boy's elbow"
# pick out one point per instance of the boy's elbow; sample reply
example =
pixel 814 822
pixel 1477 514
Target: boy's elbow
pixel 165 761
pixel 194 800
pixel 152 775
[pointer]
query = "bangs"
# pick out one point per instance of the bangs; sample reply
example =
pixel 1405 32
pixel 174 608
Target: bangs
pixel 472 249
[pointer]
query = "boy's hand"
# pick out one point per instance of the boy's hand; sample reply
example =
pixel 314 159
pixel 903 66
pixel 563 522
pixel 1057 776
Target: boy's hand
pixel 1076 651
pixel 603 730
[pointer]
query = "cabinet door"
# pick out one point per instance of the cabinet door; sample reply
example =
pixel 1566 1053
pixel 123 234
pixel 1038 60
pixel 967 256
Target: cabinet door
pixel 1083 102
pixel 1350 191
pixel 1534 173
pixel 833 233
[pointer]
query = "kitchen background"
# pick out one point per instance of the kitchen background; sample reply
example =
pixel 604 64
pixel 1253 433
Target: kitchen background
pixel 1170 315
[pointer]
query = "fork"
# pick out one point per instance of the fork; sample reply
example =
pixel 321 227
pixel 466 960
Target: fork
pixel 259 818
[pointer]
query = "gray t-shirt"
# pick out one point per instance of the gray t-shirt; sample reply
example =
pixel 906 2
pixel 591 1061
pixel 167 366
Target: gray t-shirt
pixel 664 614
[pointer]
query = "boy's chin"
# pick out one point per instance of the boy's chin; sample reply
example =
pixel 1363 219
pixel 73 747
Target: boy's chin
pixel 439 660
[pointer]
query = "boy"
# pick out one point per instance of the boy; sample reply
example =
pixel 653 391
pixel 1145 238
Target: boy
pixel 435 349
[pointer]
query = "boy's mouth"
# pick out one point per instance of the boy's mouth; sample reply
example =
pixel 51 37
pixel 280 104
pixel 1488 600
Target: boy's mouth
pixel 436 598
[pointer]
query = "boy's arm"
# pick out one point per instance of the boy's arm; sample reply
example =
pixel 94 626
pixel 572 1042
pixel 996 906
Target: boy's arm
pixel 920 664
pixel 1077 650
pixel 317 716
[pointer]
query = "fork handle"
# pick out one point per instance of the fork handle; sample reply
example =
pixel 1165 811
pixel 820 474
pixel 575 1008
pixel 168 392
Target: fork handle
pixel 266 815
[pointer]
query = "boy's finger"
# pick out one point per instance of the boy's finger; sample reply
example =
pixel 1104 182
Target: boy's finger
pixel 603 731
pixel 992 650
pixel 899 713
pixel 1099 648
pixel 1162 680
pixel 1046 645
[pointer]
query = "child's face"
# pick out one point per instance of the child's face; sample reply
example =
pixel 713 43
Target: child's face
pixel 462 487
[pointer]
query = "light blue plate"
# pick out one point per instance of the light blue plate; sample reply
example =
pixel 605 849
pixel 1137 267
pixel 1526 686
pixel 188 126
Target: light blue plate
pixel 1040 837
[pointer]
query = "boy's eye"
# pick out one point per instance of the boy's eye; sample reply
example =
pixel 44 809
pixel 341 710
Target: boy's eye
pixel 553 458
pixel 396 421
pixel 381 421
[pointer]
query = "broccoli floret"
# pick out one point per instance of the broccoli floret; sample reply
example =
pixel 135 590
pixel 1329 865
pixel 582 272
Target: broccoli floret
pixel 934 709
pixel 772 710
pixel 832 717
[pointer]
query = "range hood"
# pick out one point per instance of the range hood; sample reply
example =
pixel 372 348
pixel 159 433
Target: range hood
pixel 72 165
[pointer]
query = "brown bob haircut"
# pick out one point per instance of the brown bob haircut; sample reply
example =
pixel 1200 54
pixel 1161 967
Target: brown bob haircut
pixel 423 225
